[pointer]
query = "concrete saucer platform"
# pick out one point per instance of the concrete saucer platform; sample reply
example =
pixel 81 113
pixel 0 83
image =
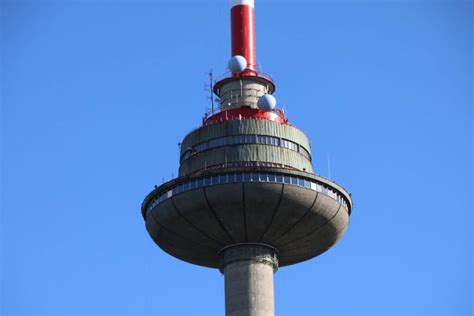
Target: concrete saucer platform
pixel 300 214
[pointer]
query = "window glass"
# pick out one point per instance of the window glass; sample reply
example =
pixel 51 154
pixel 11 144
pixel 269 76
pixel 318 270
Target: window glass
pixel 279 179
pixel 246 177
pixel 307 184
pixel 263 177
pixel 192 184
pixel 186 186
pixel 294 180
pixel 238 177
pixel 286 179
pixel 200 183
pixel 304 153
pixel 301 182
pixel 223 178
pixel 231 177
pixel 271 178
pixel 207 181
pixel 255 177
pixel 215 180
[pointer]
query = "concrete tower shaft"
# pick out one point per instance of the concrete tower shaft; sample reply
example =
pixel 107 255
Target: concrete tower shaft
pixel 248 270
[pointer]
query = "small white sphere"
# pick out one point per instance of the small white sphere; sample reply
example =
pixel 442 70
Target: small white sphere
pixel 237 64
pixel 266 102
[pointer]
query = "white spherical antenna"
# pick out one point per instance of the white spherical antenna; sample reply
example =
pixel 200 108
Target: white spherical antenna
pixel 237 64
pixel 266 102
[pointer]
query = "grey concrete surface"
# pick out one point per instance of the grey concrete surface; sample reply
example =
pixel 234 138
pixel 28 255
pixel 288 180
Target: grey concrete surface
pixel 195 208
pixel 226 201
pixel 242 153
pixel 245 91
pixel 248 273
pixel 295 203
pixel 261 203
pixel 195 225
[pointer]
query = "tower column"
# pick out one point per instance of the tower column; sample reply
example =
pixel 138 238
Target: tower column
pixel 248 272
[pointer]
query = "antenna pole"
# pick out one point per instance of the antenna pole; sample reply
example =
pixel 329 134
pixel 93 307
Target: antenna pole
pixel 210 90
pixel 329 167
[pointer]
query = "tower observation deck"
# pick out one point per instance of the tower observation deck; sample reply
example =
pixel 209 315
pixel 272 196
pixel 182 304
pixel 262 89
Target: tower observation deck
pixel 246 200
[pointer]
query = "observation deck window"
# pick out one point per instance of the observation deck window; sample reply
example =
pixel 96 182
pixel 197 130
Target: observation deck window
pixel 245 139
pixel 249 177
pixel 200 183
pixel 294 181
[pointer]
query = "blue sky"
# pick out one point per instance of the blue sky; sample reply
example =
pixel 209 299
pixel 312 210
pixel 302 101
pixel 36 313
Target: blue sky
pixel 96 95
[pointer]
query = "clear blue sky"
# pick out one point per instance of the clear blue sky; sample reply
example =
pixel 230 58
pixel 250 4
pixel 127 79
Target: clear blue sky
pixel 96 95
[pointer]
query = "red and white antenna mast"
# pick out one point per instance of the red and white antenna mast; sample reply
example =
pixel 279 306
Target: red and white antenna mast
pixel 247 92
pixel 243 33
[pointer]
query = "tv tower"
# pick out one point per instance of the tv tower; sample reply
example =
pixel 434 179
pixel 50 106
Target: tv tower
pixel 246 200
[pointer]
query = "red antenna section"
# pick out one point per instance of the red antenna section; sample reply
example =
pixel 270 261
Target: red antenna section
pixel 243 33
